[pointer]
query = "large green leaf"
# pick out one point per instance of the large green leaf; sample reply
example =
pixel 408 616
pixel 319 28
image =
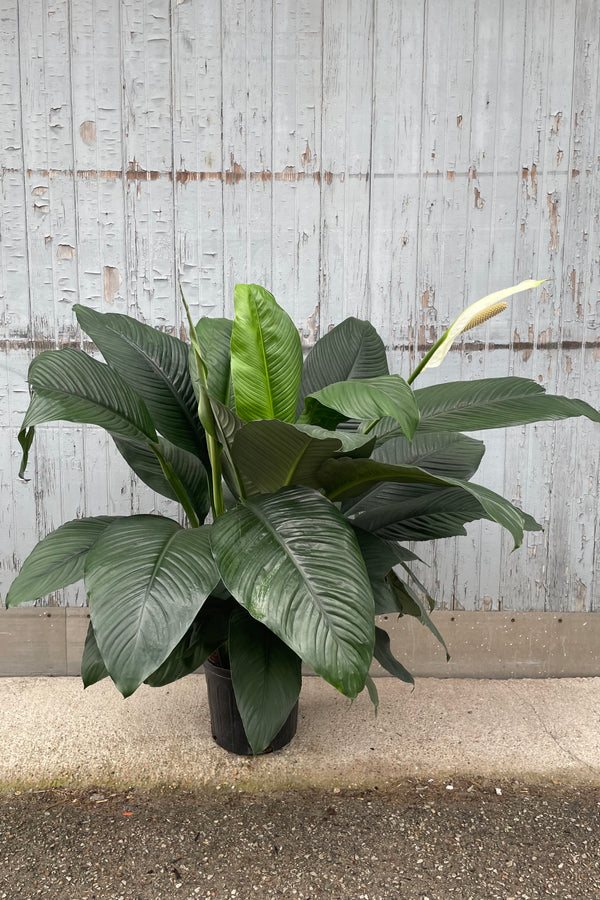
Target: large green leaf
pixel 369 399
pixel 214 340
pixel 270 454
pixel 385 657
pixel 68 384
pixel 349 477
pixel 208 631
pixel 353 443
pixel 380 556
pixel 266 677
pixel 146 578
pixel 415 513
pixel 352 349
pixel 291 559
pixel 57 560
pixel 401 598
pixel 226 425
pixel 187 467
pixel 92 664
pixel 266 356
pixel 448 455
pixel 373 692
pixel 493 403
pixel 155 364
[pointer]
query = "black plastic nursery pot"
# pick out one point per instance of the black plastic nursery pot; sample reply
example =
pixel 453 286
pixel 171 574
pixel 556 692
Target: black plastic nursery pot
pixel 226 722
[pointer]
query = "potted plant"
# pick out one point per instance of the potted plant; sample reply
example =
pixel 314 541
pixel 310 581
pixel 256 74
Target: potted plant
pixel 312 473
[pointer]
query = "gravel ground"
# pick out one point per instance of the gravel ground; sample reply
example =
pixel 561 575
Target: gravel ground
pixel 428 840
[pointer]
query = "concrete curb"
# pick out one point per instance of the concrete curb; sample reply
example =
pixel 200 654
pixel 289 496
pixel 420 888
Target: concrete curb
pixel 55 733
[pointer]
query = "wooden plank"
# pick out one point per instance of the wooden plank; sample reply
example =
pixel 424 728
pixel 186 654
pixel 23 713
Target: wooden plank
pixel 395 191
pixel 296 157
pixel 197 150
pixel 530 471
pixel 571 563
pixel 346 161
pixel 247 144
pixel 18 502
pixel 100 165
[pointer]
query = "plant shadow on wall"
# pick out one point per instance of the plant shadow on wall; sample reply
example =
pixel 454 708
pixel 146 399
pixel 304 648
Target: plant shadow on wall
pixel 314 473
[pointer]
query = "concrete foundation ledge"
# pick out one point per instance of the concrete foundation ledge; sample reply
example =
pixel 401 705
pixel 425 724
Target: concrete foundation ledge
pixel 55 733
pixel 49 641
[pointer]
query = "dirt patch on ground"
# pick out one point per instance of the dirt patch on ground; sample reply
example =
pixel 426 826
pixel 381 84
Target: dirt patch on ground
pixel 469 840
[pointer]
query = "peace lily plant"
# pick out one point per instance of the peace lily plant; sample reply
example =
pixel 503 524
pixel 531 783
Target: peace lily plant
pixel 313 474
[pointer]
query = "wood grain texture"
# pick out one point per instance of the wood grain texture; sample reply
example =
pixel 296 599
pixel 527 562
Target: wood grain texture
pixel 389 159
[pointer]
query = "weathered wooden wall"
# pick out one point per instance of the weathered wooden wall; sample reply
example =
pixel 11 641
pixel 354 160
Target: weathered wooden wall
pixel 393 159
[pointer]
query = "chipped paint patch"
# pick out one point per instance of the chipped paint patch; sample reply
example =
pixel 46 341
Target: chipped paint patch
pixel 87 131
pixel 554 217
pixel 65 251
pixel 112 283
pixel 556 123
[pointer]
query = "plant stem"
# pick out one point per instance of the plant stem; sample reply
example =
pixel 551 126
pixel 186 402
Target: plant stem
pixel 425 359
pixel 214 452
pixel 207 419
pixel 173 479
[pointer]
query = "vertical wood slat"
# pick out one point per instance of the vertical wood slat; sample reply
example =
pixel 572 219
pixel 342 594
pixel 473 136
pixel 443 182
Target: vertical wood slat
pixel 392 160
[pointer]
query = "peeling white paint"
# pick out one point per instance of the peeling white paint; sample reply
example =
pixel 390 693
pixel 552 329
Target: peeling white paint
pixel 387 159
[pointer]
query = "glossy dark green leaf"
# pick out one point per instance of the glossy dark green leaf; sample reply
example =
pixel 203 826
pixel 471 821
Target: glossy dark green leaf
pixel 57 560
pixel 70 385
pixel 266 357
pixel 187 467
pixel 407 602
pixel 353 444
pixel 92 664
pixel 352 349
pixel 350 477
pixel 291 559
pixel 214 339
pixel 380 556
pixel 270 454
pixel 227 424
pixel 146 578
pixel 412 577
pixel 447 455
pixel 369 399
pixel 155 364
pixel 208 631
pixel 373 692
pixel 419 512
pixel 493 403
pixel 266 677
pixel 386 658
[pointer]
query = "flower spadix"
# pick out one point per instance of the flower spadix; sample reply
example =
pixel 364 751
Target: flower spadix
pixel 470 317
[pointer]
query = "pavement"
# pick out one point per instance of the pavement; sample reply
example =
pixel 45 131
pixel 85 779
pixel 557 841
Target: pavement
pixel 55 733
pixel 466 789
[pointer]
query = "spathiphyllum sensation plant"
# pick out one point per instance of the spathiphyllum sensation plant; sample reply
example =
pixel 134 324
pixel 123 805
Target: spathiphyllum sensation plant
pixel 313 474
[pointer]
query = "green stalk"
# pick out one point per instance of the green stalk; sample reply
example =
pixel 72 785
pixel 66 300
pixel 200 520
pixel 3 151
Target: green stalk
pixel 217 502
pixel 172 478
pixel 426 358
pixel 214 454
